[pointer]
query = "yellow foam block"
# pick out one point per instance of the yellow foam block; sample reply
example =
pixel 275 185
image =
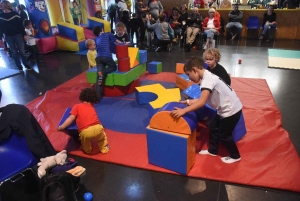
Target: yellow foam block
pixel 133 54
pixel 106 23
pixel 163 95
pixel 175 92
pixel 79 30
pixel 65 44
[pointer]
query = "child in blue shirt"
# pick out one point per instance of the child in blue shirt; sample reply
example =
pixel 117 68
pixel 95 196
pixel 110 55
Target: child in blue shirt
pixel 104 56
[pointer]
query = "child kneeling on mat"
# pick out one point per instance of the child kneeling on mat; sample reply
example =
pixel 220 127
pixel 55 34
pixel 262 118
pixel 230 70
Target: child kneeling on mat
pixel 220 96
pixel 89 126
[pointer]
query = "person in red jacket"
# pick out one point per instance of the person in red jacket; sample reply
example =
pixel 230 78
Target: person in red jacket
pixel 211 26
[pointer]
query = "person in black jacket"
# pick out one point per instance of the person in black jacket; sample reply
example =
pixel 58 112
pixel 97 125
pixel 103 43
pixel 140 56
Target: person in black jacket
pixel 11 26
pixel 22 13
pixel 269 22
pixel 235 18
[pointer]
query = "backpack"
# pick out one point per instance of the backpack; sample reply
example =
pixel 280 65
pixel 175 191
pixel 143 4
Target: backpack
pixel 59 187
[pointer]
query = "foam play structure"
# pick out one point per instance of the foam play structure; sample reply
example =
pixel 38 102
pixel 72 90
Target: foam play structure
pixel 131 65
pixel 156 96
pixel 119 83
pixel 171 143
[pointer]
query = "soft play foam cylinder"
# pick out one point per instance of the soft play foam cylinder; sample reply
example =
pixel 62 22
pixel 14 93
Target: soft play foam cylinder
pixel 124 64
pixel 122 51
pixel 163 120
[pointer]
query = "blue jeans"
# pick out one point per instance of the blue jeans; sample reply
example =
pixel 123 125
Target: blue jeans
pixel 16 43
pixel 267 28
pixel 231 25
pixel 210 33
pixel 105 65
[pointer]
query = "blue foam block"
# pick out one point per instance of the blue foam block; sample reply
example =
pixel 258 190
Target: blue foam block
pixel 193 91
pixel 143 56
pixel 71 130
pixel 184 76
pixel 92 24
pixel 82 46
pixel 144 97
pixel 240 129
pixel 15 156
pixel 152 111
pixel 67 32
pixel 154 67
pixel 168 150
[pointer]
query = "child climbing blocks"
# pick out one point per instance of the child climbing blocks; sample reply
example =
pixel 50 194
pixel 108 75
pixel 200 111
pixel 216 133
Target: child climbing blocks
pixel 155 67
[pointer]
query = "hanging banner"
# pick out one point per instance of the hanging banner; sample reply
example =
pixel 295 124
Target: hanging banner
pixel 97 5
pixel 38 15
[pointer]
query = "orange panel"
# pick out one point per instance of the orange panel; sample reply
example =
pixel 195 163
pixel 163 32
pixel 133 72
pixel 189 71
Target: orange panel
pixel 182 83
pixel 179 68
pixel 162 120
pixel 191 152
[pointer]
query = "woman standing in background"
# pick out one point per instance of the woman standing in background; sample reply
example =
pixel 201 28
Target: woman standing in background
pixel 155 8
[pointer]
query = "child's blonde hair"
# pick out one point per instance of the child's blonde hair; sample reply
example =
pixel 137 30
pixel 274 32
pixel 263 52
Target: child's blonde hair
pixel 214 52
pixel 89 42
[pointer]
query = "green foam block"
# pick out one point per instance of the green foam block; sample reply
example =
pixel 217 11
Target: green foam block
pixel 123 79
pixel 91 76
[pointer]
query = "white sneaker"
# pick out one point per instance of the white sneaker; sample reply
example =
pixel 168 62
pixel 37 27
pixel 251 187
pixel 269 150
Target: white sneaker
pixel 230 160
pixel 205 47
pixel 205 152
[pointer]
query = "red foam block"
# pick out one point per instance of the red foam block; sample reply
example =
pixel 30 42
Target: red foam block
pixel 124 65
pixel 46 45
pixel 122 51
pixel 121 90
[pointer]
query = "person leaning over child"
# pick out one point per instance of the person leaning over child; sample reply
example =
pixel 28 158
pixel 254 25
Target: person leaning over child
pixel 89 126
pixel 212 57
pixel 30 41
pixel 104 60
pixel 92 53
pixel 219 95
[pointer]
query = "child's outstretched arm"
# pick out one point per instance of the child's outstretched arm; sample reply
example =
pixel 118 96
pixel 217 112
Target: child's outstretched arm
pixel 67 122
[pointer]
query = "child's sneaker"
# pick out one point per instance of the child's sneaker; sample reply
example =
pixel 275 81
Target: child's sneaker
pixel 205 152
pixel 230 160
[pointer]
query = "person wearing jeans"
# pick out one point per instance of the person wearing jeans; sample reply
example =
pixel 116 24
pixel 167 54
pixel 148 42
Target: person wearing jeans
pixel 269 22
pixel 12 28
pixel 211 26
pixel 235 19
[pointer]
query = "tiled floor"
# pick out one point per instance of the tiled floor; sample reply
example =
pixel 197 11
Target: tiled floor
pixel 114 182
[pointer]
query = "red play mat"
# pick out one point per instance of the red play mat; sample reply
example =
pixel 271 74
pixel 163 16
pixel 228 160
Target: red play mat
pixel 269 159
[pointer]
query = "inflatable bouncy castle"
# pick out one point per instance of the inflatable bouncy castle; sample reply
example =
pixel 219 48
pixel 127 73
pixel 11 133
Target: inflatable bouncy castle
pixel 56 26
